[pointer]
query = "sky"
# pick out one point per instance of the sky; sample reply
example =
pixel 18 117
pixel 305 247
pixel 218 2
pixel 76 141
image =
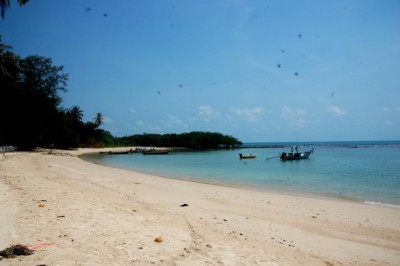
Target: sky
pixel 258 70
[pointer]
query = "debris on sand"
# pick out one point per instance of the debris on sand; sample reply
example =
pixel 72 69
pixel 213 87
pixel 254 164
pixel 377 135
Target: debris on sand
pixel 158 239
pixel 184 205
pixel 16 250
pixel 42 203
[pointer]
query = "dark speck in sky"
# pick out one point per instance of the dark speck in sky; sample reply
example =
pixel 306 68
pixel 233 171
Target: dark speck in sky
pixel 299 35
pixel 283 51
pixel 159 92
pixel 332 94
pixel 88 9
pixel 296 74
pixel 105 15
pixel 180 85
pixel 279 66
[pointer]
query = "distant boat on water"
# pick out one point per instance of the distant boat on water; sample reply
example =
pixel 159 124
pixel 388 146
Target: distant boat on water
pixel 291 156
pixel 247 156
pixel 114 152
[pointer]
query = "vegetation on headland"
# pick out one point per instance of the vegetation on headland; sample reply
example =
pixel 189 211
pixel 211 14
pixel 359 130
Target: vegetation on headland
pixel 192 140
pixel 31 114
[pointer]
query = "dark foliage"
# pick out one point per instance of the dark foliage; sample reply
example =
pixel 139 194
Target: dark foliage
pixel 4 4
pixel 30 111
pixel 194 140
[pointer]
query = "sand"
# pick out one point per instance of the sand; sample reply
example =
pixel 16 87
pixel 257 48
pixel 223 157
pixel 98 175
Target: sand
pixel 98 215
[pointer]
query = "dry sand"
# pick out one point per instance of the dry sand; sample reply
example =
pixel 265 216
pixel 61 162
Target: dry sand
pixel 97 215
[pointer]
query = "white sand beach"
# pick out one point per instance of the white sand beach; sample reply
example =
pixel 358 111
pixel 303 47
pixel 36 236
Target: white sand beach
pixel 98 215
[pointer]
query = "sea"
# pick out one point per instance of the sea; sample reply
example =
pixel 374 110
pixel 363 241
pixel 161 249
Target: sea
pixel 364 171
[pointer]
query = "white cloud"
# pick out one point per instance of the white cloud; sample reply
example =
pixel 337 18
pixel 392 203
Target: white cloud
pixel 287 111
pixel 297 118
pixel 206 112
pixel 336 110
pixel 249 115
pixel 174 121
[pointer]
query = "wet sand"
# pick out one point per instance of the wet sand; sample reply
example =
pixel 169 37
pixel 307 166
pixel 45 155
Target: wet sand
pixel 98 215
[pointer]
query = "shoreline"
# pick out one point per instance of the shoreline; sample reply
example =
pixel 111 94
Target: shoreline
pixel 306 194
pixel 101 215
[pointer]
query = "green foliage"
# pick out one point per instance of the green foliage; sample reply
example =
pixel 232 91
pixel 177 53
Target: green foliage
pixel 194 140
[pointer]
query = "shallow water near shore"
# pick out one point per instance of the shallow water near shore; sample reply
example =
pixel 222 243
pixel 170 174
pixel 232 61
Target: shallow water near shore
pixel 360 171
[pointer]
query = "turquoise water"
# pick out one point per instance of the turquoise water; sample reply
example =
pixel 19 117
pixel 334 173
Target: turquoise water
pixel 361 171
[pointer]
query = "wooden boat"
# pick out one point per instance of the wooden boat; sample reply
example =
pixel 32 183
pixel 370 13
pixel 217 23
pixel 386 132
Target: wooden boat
pixel 155 151
pixel 114 152
pixel 247 156
pixel 295 156
pixel 136 150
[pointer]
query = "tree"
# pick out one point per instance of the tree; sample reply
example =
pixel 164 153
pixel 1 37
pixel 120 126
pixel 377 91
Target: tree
pixel 39 73
pixel 6 4
pixel 8 63
pixel 75 114
pixel 98 120
pixel 29 100
pixel 30 112
pixel 9 89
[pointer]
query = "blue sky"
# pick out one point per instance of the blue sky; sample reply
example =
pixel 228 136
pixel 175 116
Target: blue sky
pixel 257 70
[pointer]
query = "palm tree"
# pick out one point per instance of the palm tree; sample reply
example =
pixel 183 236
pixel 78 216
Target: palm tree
pixel 98 120
pixel 8 63
pixel 6 4
pixel 76 113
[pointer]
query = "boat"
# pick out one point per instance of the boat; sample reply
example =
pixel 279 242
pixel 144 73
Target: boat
pixel 295 156
pixel 247 156
pixel 136 150
pixel 114 152
pixel 155 151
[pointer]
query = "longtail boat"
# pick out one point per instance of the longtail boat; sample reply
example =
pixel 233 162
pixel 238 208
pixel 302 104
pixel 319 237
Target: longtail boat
pixel 295 156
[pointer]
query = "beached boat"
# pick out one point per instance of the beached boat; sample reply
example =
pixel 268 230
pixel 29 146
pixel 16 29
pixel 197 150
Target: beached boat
pixel 295 156
pixel 247 156
pixel 156 151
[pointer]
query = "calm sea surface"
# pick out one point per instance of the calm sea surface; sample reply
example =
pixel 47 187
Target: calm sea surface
pixel 362 171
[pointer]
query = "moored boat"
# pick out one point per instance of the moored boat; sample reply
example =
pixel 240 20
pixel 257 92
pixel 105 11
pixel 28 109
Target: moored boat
pixel 156 151
pixel 295 156
pixel 247 156
pixel 114 152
